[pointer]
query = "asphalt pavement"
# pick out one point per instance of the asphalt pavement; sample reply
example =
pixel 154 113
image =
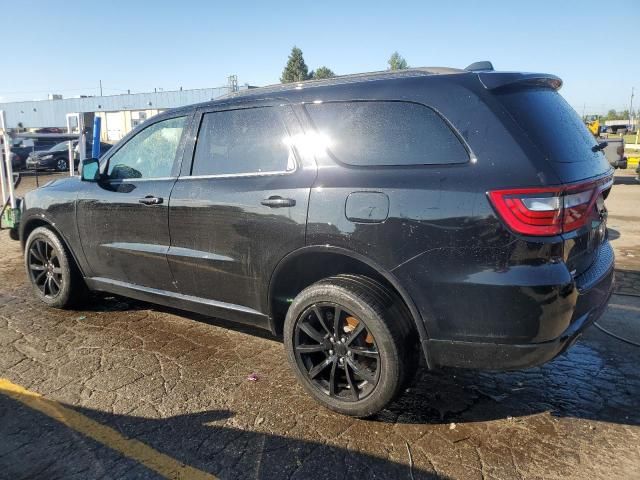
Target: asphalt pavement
pixel 125 389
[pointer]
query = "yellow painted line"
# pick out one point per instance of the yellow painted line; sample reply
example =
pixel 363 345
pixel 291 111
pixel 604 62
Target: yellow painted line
pixel 158 462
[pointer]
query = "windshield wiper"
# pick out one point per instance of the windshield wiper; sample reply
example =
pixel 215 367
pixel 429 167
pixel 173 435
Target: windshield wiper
pixel 600 146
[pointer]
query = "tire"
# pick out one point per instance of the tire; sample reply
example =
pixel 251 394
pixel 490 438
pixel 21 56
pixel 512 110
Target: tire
pixel 364 373
pixel 62 164
pixel 52 272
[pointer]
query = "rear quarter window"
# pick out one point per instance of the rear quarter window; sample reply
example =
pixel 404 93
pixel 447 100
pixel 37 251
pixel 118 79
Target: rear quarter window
pixel 372 133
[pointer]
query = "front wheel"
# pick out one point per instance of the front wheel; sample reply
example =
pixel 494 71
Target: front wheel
pixel 54 277
pixel 345 339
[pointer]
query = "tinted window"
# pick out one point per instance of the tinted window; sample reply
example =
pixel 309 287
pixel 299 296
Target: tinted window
pixel 149 154
pixel 59 147
pixel 242 141
pixel 551 123
pixel 386 133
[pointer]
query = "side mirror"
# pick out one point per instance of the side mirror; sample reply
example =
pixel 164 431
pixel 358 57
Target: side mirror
pixel 90 170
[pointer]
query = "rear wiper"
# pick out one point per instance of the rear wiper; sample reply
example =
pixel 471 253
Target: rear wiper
pixel 600 146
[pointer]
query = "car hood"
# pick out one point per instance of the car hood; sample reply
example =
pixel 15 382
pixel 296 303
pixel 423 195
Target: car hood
pixel 61 182
pixel 39 153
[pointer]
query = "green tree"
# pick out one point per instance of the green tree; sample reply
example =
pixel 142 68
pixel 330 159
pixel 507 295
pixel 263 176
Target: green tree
pixel 295 70
pixel 322 72
pixel 611 115
pixel 397 62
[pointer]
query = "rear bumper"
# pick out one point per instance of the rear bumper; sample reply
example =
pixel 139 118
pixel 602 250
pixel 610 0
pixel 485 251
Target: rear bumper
pixel 594 289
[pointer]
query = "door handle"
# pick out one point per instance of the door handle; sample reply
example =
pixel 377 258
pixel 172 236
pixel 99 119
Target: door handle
pixel 278 202
pixel 151 200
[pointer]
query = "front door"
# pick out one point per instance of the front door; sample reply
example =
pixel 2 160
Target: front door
pixel 123 219
pixel 240 208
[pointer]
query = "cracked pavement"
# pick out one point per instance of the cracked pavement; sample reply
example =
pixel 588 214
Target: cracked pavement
pixel 178 382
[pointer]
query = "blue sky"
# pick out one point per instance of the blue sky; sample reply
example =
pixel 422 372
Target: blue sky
pixel 67 47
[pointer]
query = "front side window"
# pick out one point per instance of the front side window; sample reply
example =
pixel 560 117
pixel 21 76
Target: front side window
pixel 379 133
pixel 149 154
pixel 249 141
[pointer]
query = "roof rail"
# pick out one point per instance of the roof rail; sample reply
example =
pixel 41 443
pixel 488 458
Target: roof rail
pixel 483 66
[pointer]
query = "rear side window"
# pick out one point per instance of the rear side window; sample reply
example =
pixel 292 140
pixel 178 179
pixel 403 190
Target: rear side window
pixel 386 133
pixel 245 141
pixel 551 123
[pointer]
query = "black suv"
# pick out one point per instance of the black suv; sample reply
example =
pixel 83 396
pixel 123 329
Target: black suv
pixel 368 219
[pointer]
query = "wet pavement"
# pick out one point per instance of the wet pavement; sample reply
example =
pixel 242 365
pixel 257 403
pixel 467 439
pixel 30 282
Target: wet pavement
pixel 179 385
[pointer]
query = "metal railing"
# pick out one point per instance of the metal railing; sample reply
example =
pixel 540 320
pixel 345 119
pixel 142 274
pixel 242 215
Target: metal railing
pixel 9 213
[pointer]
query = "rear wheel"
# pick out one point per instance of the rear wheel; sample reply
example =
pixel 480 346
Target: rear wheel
pixel 54 277
pixel 346 342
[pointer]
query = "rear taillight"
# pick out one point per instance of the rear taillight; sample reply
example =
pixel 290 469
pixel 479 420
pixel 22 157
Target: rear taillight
pixel 548 211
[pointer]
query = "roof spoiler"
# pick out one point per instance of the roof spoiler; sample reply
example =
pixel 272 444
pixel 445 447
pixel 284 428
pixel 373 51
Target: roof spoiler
pixel 499 80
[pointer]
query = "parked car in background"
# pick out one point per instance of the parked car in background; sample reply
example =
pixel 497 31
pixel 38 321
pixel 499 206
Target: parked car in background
pixel 16 162
pixel 57 157
pixel 23 147
pixel 614 152
pixel 367 219
pixel 104 147
pixel 22 152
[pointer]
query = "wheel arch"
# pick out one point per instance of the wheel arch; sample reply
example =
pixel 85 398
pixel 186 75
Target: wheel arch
pixel 34 222
pixel 323 261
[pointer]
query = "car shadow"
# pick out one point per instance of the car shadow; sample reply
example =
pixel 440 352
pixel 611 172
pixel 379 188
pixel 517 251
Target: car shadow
pixel 112 303
pixel 582 383
pixel 36 446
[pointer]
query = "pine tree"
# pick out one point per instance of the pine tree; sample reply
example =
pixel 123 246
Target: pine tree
pixel 397 62
pixel 295 70
pixel 323 72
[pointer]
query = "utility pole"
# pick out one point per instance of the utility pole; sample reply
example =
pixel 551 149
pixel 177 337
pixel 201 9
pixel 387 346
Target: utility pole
pixel 631 110
pixel 100 87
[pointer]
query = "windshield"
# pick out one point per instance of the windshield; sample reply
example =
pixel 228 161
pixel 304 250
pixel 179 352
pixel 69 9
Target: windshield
pixel 59 147
pixel 551 124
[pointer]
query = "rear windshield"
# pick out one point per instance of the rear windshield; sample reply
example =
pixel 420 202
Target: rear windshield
pixel 551 124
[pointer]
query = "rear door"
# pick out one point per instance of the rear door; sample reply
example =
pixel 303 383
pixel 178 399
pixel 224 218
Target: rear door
pixel 240 207
pixel 123 221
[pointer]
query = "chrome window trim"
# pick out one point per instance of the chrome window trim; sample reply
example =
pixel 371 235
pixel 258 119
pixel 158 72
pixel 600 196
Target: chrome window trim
pixel 116 180
pixel 239 175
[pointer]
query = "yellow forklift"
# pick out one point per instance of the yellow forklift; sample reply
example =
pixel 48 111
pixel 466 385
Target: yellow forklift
pixel 593 124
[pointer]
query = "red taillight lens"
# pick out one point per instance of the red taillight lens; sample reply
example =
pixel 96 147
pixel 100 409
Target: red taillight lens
pixel 548 211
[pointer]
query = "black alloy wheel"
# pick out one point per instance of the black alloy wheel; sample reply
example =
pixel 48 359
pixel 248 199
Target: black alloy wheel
pixel 350 343
pixel 337 352
pixel 55 278
pixel 45 271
